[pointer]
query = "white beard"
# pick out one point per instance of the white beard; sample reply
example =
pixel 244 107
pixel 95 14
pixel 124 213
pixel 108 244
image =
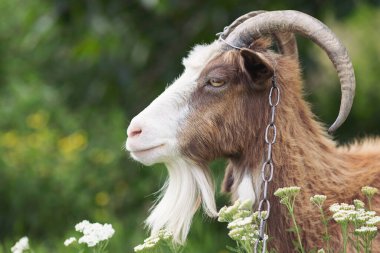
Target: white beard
pixel 188 186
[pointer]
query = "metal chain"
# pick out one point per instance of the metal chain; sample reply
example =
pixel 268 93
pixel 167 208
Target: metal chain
pixel 268 167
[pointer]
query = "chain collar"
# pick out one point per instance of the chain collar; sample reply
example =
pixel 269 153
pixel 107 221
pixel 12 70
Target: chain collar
pixel 268 166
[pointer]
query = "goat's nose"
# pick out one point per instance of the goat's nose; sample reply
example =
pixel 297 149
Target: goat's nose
pixel 133 131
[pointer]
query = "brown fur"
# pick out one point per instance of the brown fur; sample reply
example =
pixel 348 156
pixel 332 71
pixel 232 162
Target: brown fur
pixel 230 121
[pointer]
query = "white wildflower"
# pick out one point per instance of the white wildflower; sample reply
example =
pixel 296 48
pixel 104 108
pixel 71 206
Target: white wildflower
pixel 364 216
pixel 93 233
pixel 69 241
pixel 371 213
pixel 364 230
pixel 21 246
pixel 165 235
pixel 240 222
pixel 289 192
pixel 373 221
pixel 236 233
pixel 369 191
pixel 358 204
pixel 361 215
pixel 231 210
pixel 339 207
pixel 321 251
pixel 143 247
pixel 241 214
pixel 226 213
pixel 347 207
pixel 152 241
pixel 343 215
pixel 255 216
pixel 334 207
pixel 246 205
pixel 138 248
pixel 82 225
pixel 318 200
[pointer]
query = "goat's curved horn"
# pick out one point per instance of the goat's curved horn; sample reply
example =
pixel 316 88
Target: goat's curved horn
pixel 287 42
pixel 298 22
pixel 228 29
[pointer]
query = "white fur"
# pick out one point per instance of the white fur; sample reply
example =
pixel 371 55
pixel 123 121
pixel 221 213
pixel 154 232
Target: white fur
pixel 187 186
pixel 159 123
pixel 245 189
pixel 250 186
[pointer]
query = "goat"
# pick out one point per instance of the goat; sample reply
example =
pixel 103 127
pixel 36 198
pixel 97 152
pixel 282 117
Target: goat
pixel 218 107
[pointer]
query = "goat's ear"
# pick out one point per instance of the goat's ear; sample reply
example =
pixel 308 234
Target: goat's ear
pixel 257 66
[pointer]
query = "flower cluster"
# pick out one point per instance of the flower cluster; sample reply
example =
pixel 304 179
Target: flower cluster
pixel 362 221
pixel 154 241
pixel 318 200
pixel 242 223
pixel 344 213
pixel 287 194
pixel 21 246
pixel 358 203
pixel 70 241
pixel 237 210
pixel 364 230
pixel 369 191
pixel 93 233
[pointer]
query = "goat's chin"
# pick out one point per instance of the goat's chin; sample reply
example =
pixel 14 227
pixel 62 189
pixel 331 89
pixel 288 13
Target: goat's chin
pixel 162 153
pixel 146 159
pixel 187 187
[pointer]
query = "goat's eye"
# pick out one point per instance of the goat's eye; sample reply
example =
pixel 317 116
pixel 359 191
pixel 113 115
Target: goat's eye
pixel 215 82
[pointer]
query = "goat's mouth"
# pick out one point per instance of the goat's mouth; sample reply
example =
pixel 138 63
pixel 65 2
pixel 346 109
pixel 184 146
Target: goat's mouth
pixel 140 152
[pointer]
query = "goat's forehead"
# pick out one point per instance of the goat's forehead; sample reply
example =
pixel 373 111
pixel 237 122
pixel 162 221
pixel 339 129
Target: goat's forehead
pixel 200 55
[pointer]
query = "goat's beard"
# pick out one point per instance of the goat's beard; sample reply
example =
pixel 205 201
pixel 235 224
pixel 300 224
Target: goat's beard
pixel 187 187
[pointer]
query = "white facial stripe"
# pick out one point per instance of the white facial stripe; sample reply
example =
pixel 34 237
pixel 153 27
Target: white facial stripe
pixel 159 122
pixel 152 138
pixel 181 196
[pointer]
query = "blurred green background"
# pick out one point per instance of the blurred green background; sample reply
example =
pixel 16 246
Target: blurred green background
pixel 73 74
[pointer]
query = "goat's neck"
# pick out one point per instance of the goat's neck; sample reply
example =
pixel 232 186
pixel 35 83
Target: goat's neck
pixel 303 156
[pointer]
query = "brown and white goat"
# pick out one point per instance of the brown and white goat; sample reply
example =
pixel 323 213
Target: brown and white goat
pixel 219 107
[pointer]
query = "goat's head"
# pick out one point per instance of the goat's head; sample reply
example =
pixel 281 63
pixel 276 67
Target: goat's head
pixel 209 110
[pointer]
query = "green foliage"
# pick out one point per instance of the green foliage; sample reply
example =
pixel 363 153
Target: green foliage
pixel 72 75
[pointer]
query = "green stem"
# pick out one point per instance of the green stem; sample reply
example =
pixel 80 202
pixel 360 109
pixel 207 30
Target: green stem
pixel 248 248
pixel 291 211
pixel 357 244
pixel 369 203
pixel 367 243
pixel 366 247
pixel 326 235
pixel 345 237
